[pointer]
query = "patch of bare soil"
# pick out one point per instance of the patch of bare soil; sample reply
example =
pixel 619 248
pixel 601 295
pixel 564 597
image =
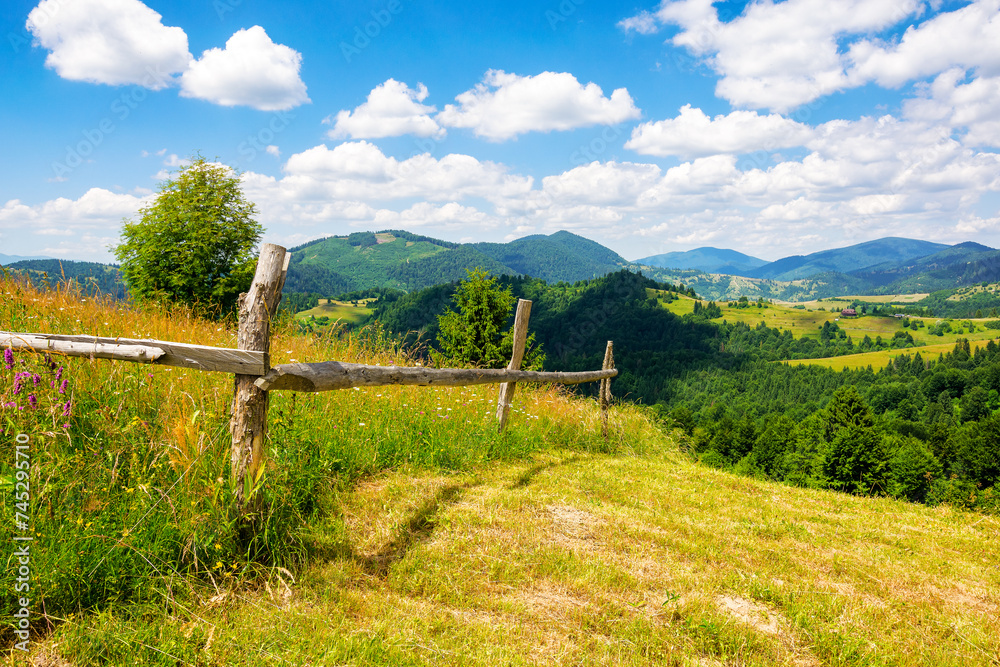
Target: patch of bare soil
pixel 572 527
pixel 768 621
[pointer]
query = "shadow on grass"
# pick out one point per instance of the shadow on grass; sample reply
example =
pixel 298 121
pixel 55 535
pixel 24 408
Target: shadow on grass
pixel 413 532
pixel 417 529
pixel 525 477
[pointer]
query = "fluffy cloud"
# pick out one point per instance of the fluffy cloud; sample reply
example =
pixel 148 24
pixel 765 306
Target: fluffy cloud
pixel 506 105
pixel 422 214
pixel 251 71
pixel 611 183
pixel 393 109
pixel 693 134
pixel 359 170
pixel 777 55
pixel 966 37
pixel 88 224
pixel 973 106
pixel 93 209
pixel 113 42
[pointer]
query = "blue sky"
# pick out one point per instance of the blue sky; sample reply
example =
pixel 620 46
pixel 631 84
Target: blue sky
pixel 773 128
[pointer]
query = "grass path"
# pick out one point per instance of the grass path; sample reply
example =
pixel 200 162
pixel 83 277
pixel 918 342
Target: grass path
pixel 586 559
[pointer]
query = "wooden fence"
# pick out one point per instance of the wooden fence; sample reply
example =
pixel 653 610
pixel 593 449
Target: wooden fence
pixel 255 378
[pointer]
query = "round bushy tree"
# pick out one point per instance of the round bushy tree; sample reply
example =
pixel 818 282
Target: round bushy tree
pixel 195 244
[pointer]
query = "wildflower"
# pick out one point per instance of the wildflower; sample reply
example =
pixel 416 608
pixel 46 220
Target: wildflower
pixel 62 387
pixel 59 374
pixel 32 401
pixel 67 409
pixel 35 379
pixel 8 358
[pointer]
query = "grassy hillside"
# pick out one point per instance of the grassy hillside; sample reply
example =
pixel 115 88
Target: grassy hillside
pixel 397 528
pixel 807 319
pixel 406 261
pixel 337 311
pixel 576 558
pixel 882 358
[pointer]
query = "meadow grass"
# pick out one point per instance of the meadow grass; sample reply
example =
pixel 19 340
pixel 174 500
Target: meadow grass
pixel 579 558
pixel 882 358
pixel 809 321
pixel 343 311
pixel 398 528
pixel 131 494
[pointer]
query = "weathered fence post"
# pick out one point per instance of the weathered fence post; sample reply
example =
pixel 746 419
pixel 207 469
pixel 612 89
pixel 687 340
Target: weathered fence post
pixel 517 355
pixel 605 392
pixel 256 309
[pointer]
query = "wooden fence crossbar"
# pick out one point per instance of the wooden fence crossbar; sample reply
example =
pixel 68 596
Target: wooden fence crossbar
pixel 183 355
pixel 330 375
pixel 254 377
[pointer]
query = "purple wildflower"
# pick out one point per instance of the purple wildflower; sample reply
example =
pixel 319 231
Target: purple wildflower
pixel 67 408
pixel 18 379
pixel 8 358
pixel 59 374
pixel 32 401
pixel 62 387
pixel 35 379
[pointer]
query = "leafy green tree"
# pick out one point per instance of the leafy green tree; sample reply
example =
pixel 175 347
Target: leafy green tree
pixel 473 335
pixel 195 244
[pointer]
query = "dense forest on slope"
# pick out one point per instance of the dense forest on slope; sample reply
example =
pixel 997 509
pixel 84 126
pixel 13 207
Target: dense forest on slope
pixel 93 278
pixel 924 429
pixel 406 261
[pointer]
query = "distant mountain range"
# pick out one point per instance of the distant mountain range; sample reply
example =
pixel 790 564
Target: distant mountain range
pixel 709 260
pixel 403 260
pixel 406 261
pixel 10 259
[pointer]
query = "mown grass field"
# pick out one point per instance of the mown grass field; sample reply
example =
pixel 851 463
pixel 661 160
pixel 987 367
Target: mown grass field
pixel 398 528
pixel 881 358
pixel 578 558
pixel 343 311
pixel 809 320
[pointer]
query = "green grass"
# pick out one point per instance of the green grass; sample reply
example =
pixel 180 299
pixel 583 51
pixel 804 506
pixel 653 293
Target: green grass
pixel 882 358
pixel 579 558
pixel 395 526
pixel 343 311
pixel 808 322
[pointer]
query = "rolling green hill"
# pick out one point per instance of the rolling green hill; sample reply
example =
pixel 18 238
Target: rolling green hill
pixel 409 262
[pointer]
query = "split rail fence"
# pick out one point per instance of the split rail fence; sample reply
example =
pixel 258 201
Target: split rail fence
pixel 255 377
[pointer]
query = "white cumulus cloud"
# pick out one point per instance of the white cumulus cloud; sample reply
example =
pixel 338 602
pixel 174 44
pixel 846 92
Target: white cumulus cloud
pixel 966 37
pixel 693 134
pixel 778 55
pixel 392 109
pixel 114 42
pixel 251 71
pixel 506 105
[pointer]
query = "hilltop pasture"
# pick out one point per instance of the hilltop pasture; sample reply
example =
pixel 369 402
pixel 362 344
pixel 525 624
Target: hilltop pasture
pixel 806 319
pixel 333 310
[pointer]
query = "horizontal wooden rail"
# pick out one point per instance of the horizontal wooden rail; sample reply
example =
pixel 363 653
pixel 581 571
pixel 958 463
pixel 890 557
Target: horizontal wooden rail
pixel 183 355
pixel 330 375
